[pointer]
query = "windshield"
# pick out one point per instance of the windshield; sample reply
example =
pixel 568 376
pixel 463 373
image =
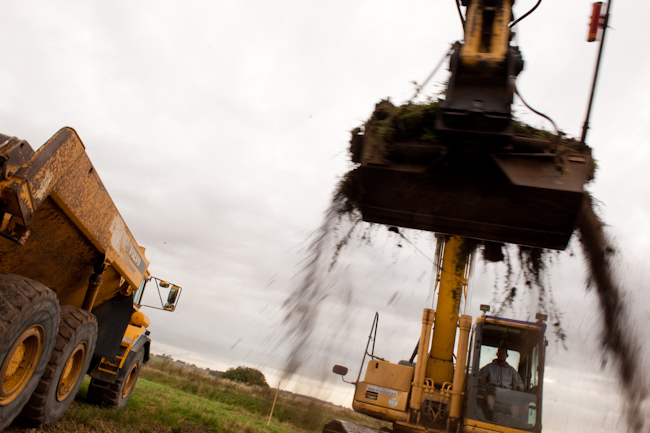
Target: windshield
pixel 506 373
pixel 510 408
pixel 137 298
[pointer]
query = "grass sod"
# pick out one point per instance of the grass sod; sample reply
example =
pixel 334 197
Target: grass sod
pixel 173 399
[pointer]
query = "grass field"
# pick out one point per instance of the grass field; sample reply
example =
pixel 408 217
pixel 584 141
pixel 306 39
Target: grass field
pixel 173 399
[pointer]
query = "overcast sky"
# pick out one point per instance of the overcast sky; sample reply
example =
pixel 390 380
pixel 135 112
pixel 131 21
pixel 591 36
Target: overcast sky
pixel 220 129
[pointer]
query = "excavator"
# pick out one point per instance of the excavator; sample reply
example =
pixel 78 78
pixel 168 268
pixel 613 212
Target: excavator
pixel 436 394
pixel 479 182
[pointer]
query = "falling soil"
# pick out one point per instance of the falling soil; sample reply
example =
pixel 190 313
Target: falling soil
pixel 618 341
pixel 533 267
pixel 314 283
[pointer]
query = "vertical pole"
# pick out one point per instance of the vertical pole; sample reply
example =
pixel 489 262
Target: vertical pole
pixel 274 400
pixel 585 127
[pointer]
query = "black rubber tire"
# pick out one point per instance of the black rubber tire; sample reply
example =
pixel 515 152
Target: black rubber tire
pixel 24 304
pixel 116 394
pixel 56 391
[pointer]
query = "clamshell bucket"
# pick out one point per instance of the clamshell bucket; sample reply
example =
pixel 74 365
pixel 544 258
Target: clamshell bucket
pixel 528 192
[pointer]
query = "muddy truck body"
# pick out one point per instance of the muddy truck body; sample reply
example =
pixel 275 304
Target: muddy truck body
pixel 72 278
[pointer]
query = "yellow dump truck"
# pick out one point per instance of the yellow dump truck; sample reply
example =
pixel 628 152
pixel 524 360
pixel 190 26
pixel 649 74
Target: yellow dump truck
pixel 71 283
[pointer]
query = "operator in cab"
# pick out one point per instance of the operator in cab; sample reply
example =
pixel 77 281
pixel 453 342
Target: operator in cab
pixel 500 374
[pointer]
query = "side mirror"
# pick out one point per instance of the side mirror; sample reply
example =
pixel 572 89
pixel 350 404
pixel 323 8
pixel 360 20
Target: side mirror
pixel 170 305
pixel 339 369
pixel 168 295
pixel 173 294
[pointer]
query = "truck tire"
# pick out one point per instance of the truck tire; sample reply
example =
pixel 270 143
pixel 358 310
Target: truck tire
pixel 29 322
pixel 64 373
pixel 117 394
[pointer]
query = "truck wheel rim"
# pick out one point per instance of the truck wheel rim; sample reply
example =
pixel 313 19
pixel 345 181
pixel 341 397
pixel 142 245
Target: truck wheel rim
pixel 20 363
pixel 130 380
pixel 71 371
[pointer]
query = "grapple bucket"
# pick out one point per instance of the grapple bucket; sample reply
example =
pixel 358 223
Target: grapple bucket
pixel 528 192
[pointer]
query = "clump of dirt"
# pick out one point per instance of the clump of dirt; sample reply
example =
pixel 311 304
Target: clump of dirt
pixel 392 126
pixel 314 285
pixel 406 133
pixel 619 342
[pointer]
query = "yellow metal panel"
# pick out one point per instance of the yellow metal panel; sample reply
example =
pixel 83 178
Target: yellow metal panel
pixel 473 426
pixel 139 319
pixel 473 51
pixel 381 396
pixel 82 195
pixel 451 288
pixel 497 322
pixel 403 426
pixel 130 337
pixel 385 374
pixel 379 412
pixel 440 371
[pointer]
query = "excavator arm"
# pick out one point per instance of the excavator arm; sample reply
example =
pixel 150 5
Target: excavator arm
pixel 483 71
pixel 460 165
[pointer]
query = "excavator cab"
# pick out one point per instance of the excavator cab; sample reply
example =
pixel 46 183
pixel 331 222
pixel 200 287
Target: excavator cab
pixel 489 405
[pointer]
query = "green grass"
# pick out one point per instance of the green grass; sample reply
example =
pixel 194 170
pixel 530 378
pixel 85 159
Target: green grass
pixel 173 399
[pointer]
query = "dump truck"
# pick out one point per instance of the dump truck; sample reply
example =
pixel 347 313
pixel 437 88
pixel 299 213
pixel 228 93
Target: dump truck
pixel 72 279
pixel 463 168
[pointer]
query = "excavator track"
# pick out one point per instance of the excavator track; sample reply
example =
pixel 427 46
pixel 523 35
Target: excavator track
pixel 340 426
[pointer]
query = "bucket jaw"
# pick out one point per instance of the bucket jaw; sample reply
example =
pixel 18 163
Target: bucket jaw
pixel 523 190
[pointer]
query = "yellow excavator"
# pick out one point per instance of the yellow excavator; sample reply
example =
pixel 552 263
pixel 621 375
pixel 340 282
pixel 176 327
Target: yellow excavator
pixel 480 181
pixel 441 391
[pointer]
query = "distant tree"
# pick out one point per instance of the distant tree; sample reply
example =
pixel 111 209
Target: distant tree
pixel 247 375
pixel 214 373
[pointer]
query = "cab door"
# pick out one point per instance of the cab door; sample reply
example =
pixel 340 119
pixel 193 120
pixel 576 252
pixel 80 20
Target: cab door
pixel 494 405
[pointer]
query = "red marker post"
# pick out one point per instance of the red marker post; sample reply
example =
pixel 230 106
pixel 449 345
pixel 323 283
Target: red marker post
pixel 596 22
